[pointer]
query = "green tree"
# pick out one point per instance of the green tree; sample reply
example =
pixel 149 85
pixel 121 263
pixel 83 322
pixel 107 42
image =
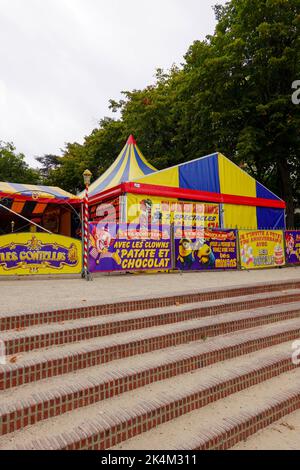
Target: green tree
pixel 13 166
pixel 48 163
pixel 231 94
pixel 240 91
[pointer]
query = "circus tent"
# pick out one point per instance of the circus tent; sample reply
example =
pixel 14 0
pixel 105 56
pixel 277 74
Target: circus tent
pixel 213 179
pixel 245 203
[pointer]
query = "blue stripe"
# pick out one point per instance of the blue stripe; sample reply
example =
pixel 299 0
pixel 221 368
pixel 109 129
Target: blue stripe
pixel 201 175
pixel 21 189
pixel 264 193
pixel 51 192
pixel 143 167
pixel 270 218
pixel 110 177
pixel 125 175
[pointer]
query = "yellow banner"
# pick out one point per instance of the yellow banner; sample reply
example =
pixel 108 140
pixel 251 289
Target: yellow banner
pixel 261 248
pixel 39 253
pixel 143 209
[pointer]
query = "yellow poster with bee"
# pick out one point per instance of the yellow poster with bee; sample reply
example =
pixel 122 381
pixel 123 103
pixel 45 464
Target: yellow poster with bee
pixel 261 248
pixel 39 253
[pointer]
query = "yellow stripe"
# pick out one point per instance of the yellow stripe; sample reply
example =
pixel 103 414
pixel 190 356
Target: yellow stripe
pixel 135 171
pixel 110 170
pixel 117 179
pixel 241 217
pixel 35 189
pixel 233 180
pixel 168 177
pixel 6 188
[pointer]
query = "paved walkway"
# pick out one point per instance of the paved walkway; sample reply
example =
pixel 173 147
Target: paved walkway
pixel 28 295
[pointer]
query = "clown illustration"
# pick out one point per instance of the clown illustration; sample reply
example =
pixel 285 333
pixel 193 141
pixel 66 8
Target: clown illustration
pixel 186 254
pixel 290 244
pixel 100 240
pixel 145 212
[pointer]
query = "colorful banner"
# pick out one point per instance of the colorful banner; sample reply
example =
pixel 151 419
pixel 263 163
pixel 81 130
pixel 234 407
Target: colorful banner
pixel 261 248
pixel 147 209
pixel 112 248
pixel 292 246
pixel 39 253
pixel 213 249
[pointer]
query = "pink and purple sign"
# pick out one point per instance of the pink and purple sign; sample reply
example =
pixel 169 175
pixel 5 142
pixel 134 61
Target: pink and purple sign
pixel 116 248
pixel 292 246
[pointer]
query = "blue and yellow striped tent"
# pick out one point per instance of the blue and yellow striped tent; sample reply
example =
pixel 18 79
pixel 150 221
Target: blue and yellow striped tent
pixel 246 203
pixel 130 165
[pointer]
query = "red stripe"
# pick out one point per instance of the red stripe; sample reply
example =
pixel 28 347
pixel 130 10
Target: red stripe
pixel 203 196
pixel 109 193
pixel 40 199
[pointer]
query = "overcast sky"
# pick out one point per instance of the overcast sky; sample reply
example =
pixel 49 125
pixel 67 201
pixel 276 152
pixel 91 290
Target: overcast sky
pixel 62 60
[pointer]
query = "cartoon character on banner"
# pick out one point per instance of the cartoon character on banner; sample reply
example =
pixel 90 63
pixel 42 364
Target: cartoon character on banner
pixel 247 254
pixel 291 248
pixel 205 254
pixel 100 240
pixel 186 254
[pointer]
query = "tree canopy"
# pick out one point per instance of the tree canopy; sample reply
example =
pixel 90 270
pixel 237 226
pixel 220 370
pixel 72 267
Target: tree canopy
pixel 232 94
pixel 13 166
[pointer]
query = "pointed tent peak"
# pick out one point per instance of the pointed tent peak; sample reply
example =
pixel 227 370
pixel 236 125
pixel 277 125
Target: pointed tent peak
pixel 131 140
pixel 129 165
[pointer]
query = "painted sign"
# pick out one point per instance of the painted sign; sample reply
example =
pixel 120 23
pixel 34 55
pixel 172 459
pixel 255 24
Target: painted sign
pixel 147 209
pixel 261 248
pixel 39 253
pixel 112 248
pixel 292 246
pixel 212 249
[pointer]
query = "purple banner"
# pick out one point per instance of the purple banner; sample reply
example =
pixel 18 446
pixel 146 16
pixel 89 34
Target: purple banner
pixel 116 249
pixel 214 249
pixel 292 246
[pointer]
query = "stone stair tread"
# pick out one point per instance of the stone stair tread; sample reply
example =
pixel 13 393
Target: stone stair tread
pixel 23 310
pixel 126 366
pixel 66 350
pixel 282 435
pixel 186 432
pixel 165 391
pixel 55 351
pixel 206 320
pixel 158 311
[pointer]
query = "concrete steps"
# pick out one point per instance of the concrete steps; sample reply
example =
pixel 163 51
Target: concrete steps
pixel 220 425
pixel 283 434
pixel 79 384
pixel 43 336
pixel 11 321
pixel 136 412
